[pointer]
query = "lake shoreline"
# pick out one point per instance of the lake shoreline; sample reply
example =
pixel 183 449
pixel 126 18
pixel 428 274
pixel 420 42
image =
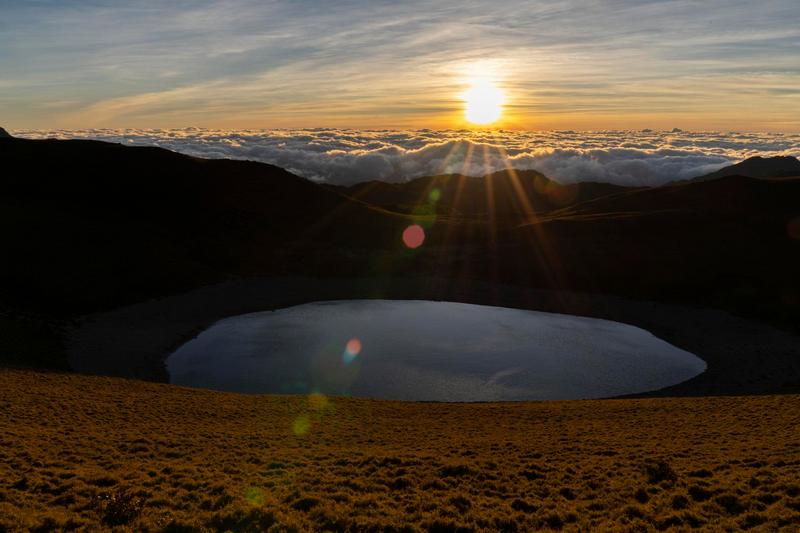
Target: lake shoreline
pixel 743 356
pixel 423 350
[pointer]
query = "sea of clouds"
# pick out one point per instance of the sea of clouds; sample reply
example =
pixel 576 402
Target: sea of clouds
pixel 344 156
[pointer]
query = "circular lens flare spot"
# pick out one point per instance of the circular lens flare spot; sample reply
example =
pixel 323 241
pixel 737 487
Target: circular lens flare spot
pixel 413 236
pixel 354 346
pixel 301 425
pixel 254 496
pixel 351 350
pixel 317 401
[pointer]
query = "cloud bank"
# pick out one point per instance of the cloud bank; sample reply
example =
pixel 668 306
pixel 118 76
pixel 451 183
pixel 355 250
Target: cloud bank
pixel 344 157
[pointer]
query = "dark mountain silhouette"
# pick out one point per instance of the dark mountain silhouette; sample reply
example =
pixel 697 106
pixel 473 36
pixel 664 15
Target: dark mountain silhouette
pixel 728 197
pixel 4 134
pixel 87 225
pixel 507 196
pixel 759 167
pixel 725 243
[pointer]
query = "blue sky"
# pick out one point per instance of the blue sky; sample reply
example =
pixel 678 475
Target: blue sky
pixel 564 64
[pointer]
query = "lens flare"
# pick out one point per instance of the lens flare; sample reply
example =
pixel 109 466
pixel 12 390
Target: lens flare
pixel 354 346
pixel 301 425
pixel 254 496
pixel 351 350
pixel 413 236
pixel 556 193
pixel 317 401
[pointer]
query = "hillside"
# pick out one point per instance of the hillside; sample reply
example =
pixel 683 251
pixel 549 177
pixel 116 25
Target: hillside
pixel 92 226
pixel 759 167
pixel 734 196
pixel 508 197
pixel 724 243
pixel 147 457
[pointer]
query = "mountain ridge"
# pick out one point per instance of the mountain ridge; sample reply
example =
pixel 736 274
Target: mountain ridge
pixel 505 194
pixel 758 167
pixel 90 225
pixel 94 224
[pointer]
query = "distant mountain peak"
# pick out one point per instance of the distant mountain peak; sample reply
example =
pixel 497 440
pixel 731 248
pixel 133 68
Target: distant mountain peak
pixel 757 159
pixel 4 134
pixel 759 167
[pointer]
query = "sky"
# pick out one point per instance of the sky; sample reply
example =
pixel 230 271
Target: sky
pixel 723 65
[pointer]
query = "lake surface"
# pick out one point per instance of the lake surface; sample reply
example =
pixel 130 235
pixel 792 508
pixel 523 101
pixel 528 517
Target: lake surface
pixel 424 350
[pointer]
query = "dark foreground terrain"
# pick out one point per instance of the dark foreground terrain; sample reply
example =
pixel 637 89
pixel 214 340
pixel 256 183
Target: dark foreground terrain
pixel 91 453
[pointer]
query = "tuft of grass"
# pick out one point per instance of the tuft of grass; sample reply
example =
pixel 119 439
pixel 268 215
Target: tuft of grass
pixel 730 503
pixel 679 501
pixel 118 508
pixel 455 471
pixel 523 506
pixel 305 504
pixel 659 471
pixel 699 494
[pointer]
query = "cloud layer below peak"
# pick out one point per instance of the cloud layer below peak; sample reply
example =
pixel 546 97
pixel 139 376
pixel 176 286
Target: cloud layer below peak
pixel 344 157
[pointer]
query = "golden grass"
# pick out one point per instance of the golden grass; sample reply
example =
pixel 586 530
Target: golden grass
pixel 96 453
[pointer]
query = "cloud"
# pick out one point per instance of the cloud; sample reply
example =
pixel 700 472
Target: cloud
pixel 350 156
pixel 367 63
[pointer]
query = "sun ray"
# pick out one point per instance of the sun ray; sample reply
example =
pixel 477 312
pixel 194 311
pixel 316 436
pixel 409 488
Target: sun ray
pixel 491 213
pixel 453 225
pixel 457 145
pixel 462 174
pixel 548 257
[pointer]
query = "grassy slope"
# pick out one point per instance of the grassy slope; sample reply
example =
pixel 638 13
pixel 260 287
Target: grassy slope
pixel 192 459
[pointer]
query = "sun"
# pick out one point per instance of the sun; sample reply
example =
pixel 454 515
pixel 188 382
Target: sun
pixel 483 102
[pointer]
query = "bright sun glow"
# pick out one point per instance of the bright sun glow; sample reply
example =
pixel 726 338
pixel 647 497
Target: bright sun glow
pixel 483 102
